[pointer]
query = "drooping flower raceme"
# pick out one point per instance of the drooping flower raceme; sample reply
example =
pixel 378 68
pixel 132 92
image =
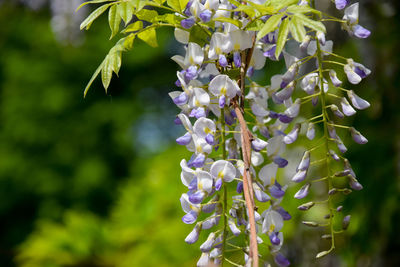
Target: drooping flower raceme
pixel 240 133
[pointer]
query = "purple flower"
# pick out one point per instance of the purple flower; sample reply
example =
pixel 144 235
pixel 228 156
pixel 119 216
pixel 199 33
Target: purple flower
pixel 340 4
pixel 190 217
pixel 310 131
pixel 206 15
pixel 250 71
pixel 348 110
pixel 303 192
pixel 276 190
pixel 193 236
pixel 305 161
pixel 292 136
pixel 357 136
pixel 177 121
pixel 237 59
pixel 239 187
pixel 188 23
pixel 210 139
pixel 285 215
pixel 299 176
pixel 181 99
pixel 270 53
pixel 260 194
pixel 281 162
pixel 218 184
pixel 273 237
pixel 258 144
pixel 222 61
pixel 354 184
pixel 285 118
pixel 197 161
pixel 222 101
pixel 337 111
pixel 285 93
pixel 360 32
pixel 191 73
pixel 357 101
pixel 281 260
pixel 185 139
pixel 197 197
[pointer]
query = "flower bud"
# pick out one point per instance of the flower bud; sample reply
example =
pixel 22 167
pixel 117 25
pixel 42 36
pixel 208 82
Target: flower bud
pixel 357 136
pixel 303 192
pixel 234 229
pixel 332 191
pixel 193 236
pixel 357 101
pixel 354 184
pixel 310 224
pixel 321 38
pixel 334 79
pixel 348 110
pixel 306 206
pixel 336 111
pixel 292 135
pixel 299 176
pixel 281 260
pixel 334 155
pixel 285 93
pixel 310 131
pixel 342 173
pixel 294 109
pixel 304 44
pixel 346 222
pixel 281 162
pixel 305 161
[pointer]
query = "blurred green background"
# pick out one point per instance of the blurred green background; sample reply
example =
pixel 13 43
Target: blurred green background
pixel 95 181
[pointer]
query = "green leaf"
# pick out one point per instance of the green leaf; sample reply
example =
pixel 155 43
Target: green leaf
pixel 302 9
pixel 248 10
pixel 139 4
pixel 229 20
pixel 297 29
pixel 95 74
pixel 94 15
pixel 270 25
pixel 282 36
pixel 149 36
pixel 106 72
pixel 255 25
pixel 128 41
pixel 125 10
pixel 136 26
pixel 115 60
pixel 312 24
pixel 265 10
pixel 279 4
pixel 178 5
pixel 147 15
pixel 198 35
pixel 169 18
pixel 92 2
pixel 114 20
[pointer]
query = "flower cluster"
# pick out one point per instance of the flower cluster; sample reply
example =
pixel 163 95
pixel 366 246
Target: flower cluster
pixel 239 131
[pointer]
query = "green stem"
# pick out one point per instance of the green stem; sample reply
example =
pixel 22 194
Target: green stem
pixel 326 135
pixel 225 197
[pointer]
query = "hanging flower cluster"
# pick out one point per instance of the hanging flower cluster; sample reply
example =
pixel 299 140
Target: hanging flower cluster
pixel 237 130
